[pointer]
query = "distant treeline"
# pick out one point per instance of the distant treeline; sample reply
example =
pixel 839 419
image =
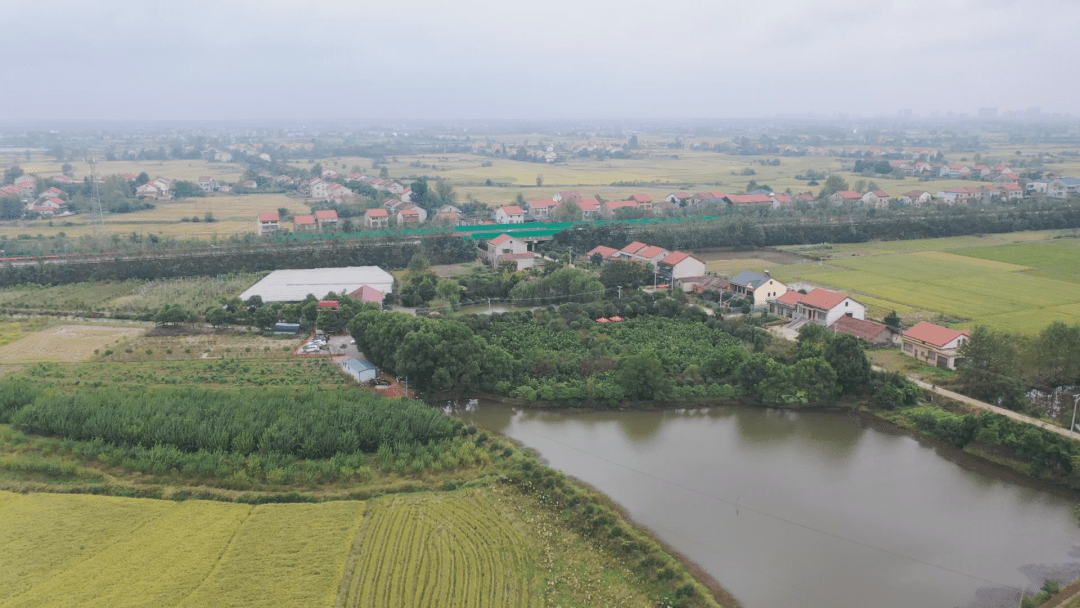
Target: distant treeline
pixel 742 232
pixel 210 262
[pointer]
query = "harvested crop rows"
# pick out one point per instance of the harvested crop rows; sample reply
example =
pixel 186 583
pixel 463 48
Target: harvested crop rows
pixel 440 551
pixel 75 550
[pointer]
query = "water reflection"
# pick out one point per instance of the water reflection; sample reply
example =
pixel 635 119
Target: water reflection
pixel 805 508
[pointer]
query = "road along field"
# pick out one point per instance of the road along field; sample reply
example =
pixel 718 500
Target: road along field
pixel 67 342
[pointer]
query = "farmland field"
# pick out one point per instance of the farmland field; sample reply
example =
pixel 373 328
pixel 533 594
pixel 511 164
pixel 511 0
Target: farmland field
pixel 67 342
pixel 73 550
pixel 1058 259
pixel 233 214
pixel 483 547
pixel 964 288
pixel 205 346
pixel 129 297
pixel 440 552
pixel 226 371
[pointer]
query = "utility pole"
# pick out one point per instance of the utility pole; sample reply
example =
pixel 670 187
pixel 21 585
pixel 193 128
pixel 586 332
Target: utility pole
pixel 620 291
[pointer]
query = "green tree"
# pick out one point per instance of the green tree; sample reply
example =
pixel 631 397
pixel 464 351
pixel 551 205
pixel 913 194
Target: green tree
pixel 66 169
pixel 1055 355
pixel 847 355
pixel 419 263
pixel 449 291
pixel 892 320
pixel 624 273
pixel 11 173
pixel 419 192
pixel 11 208
pixel 316 170
pixel 444 191
pixel 568 211
pixel 812 340
pixel 642 376
pixel 384 173
pixel 539 180
pixel 186 189
pixel 989 369
pixel 835 183
pixel 141 179
pixel 172 314
pixel 217 316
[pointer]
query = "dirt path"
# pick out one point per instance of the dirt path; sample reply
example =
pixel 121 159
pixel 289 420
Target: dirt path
pixel 993 408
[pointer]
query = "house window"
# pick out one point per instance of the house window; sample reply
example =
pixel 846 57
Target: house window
pixel 907 347
pixel 931 356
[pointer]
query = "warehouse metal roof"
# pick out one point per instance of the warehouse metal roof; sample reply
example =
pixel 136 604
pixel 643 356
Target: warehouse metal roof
pixel 295 285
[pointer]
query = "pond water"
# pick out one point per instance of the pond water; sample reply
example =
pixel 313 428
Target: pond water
pixel 810 509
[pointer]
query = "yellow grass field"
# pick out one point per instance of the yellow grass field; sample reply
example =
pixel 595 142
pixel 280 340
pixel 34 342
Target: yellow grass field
pixel 441 553
pixel 476 548
pixel 283 556
pixel 67 342
pixel 74 550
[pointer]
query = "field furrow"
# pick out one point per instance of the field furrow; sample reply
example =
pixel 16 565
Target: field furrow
pixel 454 551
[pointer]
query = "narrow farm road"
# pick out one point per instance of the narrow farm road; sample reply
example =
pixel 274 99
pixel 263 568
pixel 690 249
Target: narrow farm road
pixel 993 408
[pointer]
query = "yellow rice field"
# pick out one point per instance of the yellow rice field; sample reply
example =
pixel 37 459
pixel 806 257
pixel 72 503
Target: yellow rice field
pixel 429 551
pixel 73 550
pixel 67 342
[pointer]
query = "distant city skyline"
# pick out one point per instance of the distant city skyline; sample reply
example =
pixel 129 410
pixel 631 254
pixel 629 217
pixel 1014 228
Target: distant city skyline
pixel 563 59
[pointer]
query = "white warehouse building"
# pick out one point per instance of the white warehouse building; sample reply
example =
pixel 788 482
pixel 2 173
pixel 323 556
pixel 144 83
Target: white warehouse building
pixel 295 285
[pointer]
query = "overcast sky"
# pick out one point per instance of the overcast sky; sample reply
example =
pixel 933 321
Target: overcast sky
pixel 446 59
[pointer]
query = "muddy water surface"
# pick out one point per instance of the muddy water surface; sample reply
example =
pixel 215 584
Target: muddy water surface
pixel 810 510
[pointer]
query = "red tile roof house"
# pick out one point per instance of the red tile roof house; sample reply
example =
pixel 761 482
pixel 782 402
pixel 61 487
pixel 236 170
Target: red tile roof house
pixel 590 208
pixel 679 198
pixel 643 200
pixel 326 218
pixel 677 266
pixel 569 195
pixel 874 333
pixel 878 199
pixel 510 214
pixel 651 254
pixel 844 196
pixel 608 209
pixel 304 223
pixel 376 218
pixel 541 209
pixel 934 344
pixel 627 253
pixel 824 307
pixel 502 245
pixel 268 223
pixel 605 252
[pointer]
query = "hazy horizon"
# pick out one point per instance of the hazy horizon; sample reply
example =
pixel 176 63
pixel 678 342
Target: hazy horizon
pixel 561 60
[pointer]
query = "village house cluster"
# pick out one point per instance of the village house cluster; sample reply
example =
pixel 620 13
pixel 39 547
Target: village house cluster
pixel 46 204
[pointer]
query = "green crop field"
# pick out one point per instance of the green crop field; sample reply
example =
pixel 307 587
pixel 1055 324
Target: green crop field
pixel 129 297
pixel 975 290
pixel 218 369
pixel 1058 259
